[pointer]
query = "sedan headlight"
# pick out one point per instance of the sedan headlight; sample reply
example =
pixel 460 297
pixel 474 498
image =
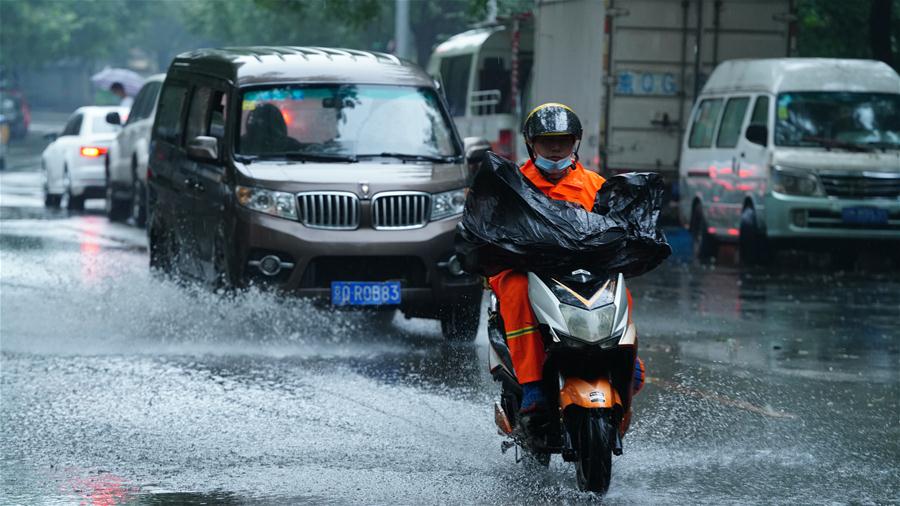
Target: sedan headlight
pixel 281 204
pixel 796 183
pixel 448 203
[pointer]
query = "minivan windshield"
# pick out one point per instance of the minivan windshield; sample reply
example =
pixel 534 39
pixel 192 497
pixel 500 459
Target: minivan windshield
pixel 838 119
pixel 344 121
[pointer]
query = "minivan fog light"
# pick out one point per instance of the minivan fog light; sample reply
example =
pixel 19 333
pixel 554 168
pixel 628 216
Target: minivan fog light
pixel 448 204
pixel 279 204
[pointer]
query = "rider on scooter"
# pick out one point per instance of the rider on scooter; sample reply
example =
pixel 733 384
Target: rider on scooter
pixel 552 134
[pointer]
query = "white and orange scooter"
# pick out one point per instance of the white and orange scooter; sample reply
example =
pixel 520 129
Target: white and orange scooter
pixel 591 347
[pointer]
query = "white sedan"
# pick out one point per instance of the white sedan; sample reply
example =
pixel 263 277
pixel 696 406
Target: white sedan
pixel 74 163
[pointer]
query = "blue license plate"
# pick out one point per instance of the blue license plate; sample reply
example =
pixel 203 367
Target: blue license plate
pixel 864 215
pixel 365 293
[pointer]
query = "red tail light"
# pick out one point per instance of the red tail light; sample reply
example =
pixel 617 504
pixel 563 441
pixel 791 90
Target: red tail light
pixel 92 151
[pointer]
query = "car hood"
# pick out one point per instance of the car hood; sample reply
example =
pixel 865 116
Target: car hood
pixel 349 176
pixel 841 161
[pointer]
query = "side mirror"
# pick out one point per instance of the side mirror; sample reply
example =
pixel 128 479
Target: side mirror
pixel 52 136
pixel 113 118
pixel 475 148
pixel 757 134
pixel 203 147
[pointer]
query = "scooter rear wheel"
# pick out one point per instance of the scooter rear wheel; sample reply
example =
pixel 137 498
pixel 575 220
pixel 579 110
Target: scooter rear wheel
pixel 591 433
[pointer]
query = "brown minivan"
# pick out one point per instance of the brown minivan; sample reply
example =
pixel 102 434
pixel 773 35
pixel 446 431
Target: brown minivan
pixel 329 173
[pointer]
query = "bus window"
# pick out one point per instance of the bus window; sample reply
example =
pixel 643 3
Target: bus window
pixel 455 75
pixel 494 76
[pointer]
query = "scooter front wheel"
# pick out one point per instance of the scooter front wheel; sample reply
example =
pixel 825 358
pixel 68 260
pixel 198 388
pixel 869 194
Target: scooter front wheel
pixel 591 434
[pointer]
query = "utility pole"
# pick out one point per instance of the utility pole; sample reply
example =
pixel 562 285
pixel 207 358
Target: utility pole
pixel 401 30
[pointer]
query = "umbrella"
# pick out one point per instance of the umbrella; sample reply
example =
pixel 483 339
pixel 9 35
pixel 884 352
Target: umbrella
pixel 131 80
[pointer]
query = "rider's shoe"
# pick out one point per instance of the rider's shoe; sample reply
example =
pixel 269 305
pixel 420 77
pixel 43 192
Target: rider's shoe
pixel 534 417
pixel 532 398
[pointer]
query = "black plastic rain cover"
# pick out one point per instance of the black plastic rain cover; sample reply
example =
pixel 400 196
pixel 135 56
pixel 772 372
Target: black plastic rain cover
pixel 510 224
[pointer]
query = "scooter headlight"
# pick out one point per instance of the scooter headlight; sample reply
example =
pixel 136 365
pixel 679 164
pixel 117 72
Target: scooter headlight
pixel 589 326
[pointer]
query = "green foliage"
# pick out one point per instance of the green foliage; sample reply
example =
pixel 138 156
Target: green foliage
pixel 34 31
pixel 286 22
pixel 839 29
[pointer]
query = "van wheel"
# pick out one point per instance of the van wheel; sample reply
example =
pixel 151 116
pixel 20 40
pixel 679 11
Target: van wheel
pixel 753 248
pixel 705 245
pixel 459 322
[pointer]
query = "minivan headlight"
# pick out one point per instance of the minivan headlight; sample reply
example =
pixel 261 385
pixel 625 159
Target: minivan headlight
pixel 796 183
pixel 281 204
pixel 447 204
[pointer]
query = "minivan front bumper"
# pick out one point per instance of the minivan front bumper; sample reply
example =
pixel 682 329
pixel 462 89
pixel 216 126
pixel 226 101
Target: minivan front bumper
pixel 315 257
pixel 796 217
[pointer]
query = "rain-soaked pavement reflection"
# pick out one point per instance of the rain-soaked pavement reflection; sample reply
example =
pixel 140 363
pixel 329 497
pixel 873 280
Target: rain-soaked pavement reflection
pixel 118 387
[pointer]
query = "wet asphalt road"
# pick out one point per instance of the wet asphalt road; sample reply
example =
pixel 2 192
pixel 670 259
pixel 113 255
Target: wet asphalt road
pixel 117 388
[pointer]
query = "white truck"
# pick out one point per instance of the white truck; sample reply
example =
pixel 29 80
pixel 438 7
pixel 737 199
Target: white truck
pixel 629 68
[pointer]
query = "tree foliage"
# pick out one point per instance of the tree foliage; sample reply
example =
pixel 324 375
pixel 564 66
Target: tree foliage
pixel 835 29
pixel 36 31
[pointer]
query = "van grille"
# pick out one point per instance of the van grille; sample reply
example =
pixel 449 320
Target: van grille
pixel 861 186
pixel 400 210
pixel 329 210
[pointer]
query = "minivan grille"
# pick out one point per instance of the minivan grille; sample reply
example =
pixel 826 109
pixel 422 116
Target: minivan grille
pixel 400 210
pixel 329 210
pixel 861 186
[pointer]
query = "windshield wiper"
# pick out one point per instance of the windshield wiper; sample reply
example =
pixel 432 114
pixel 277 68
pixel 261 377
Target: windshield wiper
pixel 828 143
pixel 310 157
pixel 410 157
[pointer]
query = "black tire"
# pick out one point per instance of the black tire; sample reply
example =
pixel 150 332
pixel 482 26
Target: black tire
pixel 705 245
pixel 52 201
pixel 72 203
pixel 753 248
pixel 162 251
pixel 591 434
pixel 225 271
pixel 138 204
pixel 459 322
pixel 116 209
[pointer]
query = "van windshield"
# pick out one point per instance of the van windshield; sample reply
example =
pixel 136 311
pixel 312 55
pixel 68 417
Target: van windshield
pixel 344 121
pixel 838 119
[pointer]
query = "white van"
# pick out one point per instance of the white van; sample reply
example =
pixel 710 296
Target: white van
pixel 792 150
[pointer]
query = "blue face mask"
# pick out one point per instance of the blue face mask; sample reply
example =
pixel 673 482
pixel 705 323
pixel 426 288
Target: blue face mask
pixel 549 166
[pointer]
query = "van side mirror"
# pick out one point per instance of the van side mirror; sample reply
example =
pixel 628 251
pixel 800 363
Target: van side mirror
pixel 203 147
pixel 113 118
pixel 757 134
pixel 475 148
pixel 51 136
